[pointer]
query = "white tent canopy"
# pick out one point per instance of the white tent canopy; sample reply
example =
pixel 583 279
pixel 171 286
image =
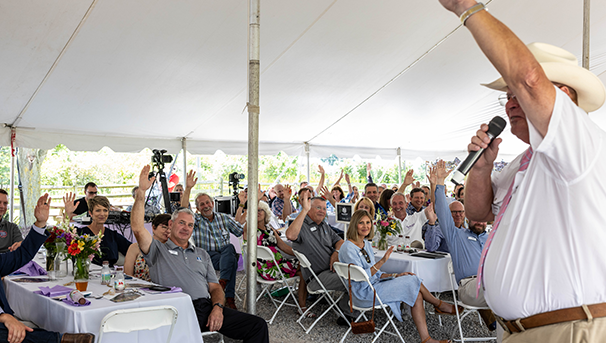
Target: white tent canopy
pixel 339 75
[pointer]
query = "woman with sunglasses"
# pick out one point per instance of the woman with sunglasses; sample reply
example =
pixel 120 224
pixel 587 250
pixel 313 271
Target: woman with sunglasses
pixel 393 289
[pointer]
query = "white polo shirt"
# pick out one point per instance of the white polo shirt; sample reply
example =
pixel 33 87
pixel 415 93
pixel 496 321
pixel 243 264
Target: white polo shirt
pixel 549 251
pixel 412 226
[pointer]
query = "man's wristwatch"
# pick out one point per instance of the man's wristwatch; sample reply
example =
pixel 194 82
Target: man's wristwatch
pixel 219 304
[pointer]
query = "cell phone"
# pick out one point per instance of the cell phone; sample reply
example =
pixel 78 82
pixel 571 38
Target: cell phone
pixel 386 278
pixel 159 288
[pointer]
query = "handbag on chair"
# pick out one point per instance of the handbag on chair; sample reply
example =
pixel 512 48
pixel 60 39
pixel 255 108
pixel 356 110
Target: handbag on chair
pixel 361 327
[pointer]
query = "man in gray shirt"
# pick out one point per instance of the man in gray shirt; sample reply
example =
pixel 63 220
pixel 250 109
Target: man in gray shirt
pixel 179 263
pixel 10 235
pixel 320 244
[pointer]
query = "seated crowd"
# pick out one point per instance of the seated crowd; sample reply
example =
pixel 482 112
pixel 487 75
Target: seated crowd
pixel 204 236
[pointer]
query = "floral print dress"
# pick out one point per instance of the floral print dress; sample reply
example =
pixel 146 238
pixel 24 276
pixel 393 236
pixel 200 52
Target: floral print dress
pixel 266 269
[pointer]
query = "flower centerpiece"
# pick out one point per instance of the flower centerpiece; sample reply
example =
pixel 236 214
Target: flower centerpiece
pixel 83 248
pixel 386 227
pixel 58 234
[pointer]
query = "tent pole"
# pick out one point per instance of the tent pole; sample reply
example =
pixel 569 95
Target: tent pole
pixel 12 183
pixel 399 152
pixel 586 33
pixel 184 147
pixel 253 152
pixel 308 164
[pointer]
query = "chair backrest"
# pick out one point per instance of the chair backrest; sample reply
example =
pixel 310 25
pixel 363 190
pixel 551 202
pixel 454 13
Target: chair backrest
pixel 356 272
pixel 302 259
pixel 264 253
pixel 135 319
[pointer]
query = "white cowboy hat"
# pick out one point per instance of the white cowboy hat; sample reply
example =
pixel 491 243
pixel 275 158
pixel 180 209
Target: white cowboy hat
pixel 562 67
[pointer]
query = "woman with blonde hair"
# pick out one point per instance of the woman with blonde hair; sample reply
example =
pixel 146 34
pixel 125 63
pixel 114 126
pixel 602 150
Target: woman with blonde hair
pixel 398 288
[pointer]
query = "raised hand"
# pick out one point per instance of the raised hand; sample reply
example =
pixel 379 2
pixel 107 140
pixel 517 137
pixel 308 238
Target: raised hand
pixel 242 196
pixel 41 211
pixel 191 179
pixel 324 192
pixel 347 178
pixel 145 181
pixel 305 201
pixel 416 184
pixel 441 172
pixel 68 203
pixel 409 178
pixel 321 169
pixel 259 193
pixel 433 176
pixel 457 6
pixel 431 214
pixel 387 254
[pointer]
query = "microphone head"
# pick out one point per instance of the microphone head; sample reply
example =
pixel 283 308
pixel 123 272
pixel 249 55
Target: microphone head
pixel 496 126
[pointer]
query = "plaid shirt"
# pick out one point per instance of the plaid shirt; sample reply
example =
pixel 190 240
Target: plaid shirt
pixel 410 210
pixel 277 207
pixel 214 235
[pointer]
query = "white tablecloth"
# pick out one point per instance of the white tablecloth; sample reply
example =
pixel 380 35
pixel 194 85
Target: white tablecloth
pixel 54 315
pixel 433 272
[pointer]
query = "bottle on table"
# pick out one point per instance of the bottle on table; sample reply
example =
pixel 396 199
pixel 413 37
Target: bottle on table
pixel 407 242
pixel 106 274
pixel 60 263
pixel 119 279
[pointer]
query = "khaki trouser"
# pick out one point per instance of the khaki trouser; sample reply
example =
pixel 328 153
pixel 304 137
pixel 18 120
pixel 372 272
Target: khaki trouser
pixel 578 331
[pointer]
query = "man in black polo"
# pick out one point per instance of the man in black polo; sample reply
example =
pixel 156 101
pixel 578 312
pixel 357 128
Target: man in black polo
pixel 179 263
pixel 90 191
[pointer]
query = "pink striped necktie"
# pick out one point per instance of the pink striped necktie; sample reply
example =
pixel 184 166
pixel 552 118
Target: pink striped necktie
pixel 523 166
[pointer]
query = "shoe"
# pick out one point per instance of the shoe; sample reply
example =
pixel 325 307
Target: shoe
pixel 489 319
pixel 342 322
pixel 438 311
pixel 223 284
pixel 231 303
pixel 78 338
pixel 442 341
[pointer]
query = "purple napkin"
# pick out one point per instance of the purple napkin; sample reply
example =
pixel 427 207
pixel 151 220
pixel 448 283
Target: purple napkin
pixel 54 291
pixel 31 269
pixel 69 301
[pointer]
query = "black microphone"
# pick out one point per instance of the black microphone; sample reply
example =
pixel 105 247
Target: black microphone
pixel 495 127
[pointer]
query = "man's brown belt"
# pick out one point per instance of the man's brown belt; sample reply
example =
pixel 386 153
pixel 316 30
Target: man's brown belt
pixel 554 317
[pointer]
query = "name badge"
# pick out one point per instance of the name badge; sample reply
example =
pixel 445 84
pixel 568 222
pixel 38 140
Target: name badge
pixel 471 239
pixel 172 252
pixel 313 229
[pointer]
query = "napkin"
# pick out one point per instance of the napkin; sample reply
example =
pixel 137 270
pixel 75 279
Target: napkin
pixel 69 301
pixel 54 291
pixel 31 269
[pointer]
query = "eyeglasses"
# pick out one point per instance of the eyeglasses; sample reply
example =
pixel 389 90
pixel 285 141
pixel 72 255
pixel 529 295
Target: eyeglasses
pixel 504 98
pixel 457 212
pixel 89 192
pixel 365 255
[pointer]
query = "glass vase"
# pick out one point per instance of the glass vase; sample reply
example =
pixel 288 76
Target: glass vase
pixel 60 262
pixel 382 244
pixel 81 268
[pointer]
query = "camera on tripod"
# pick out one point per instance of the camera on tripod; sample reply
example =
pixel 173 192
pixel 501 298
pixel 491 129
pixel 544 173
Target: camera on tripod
pixel 234 181
pixel 159 159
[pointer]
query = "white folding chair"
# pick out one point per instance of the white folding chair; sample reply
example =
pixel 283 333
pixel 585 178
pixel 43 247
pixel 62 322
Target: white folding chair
pixel 265 253
pixel 135 319
pixel 358 274
pixel 467 310
pixel 209 333
pixel 326 293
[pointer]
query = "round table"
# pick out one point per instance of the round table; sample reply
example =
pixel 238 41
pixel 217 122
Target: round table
pixel 433 272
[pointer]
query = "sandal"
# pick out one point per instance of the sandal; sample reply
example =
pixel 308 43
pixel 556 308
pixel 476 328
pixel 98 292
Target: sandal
pixel 308 314
pixel 438 311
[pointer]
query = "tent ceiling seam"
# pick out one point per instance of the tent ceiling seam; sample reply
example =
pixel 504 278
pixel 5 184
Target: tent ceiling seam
pixel 55 63
pixel 410 66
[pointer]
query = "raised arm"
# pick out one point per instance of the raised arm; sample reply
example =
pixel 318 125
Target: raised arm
pixel 512 59
pixel 70 207
pixel 350 188
pixel 292 233
pixel 368 174
pixel 137 216
pixel 190 182
pixel 287 210
pixel 322 177
pixel 339 179
pixel 408 180
pixel 240 213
